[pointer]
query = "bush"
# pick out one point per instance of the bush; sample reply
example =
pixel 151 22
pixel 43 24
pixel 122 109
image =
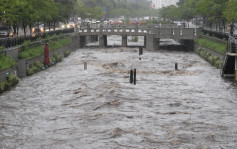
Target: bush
pixel 52 60
pixel 32 70
pixel 57 57
pixel 25 45
pixel 213 60
pixel 28 53
pixel 219 64
pixel 220 47
pixel 6 62
pixel 1 48
pixel 210 59
pixel 11 82
pixel 66 53
pixel 39 65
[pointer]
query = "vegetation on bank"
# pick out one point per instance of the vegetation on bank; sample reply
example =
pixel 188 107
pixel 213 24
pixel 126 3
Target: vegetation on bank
pixel 213 60
pixel 219 47
pixel 39 66
pixel 10 82
pixel 66 53
pixel 28 53
pixel 6 62
pixel 1 48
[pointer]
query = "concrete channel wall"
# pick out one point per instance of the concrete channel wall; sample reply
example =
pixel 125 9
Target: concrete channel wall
pixel 213 52
pixel 3 73
pixel 23 64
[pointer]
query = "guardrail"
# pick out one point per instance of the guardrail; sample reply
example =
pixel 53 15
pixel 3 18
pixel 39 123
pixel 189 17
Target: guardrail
pixel 114 30
pixel 232 45
pixel 14 41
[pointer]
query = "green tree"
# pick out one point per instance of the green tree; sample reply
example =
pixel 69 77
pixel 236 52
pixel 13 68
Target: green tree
pixel 211 11
pixel 96 12
pixel 230 12
pixel 188 9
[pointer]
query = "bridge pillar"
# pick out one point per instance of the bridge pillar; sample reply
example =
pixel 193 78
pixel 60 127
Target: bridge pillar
pixel 145 41
pixel 82 41
pixel 188 44
pixel 96 37
pixel 92 38
pixel 105 40
pixel 235 68
pixel 152 43
pixel 102 41
pixel 156 44
pixel 124 40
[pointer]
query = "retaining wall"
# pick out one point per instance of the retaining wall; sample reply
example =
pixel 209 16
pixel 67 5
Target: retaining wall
pixel 213 52
pixel 23 64
pixel 11 70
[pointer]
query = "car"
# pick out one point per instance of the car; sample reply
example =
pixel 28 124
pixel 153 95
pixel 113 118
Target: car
pixel 6 31
pixel 38 28
pixel 71 25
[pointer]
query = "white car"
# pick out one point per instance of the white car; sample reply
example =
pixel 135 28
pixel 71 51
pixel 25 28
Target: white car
pixel 6 31
pixel 71 25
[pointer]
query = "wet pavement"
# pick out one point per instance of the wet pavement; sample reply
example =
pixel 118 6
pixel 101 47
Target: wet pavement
pixel 68 107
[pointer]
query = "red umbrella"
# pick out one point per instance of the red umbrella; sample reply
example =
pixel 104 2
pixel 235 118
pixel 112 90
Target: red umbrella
pixel 132 22
pixel 116 22
pixel 46 54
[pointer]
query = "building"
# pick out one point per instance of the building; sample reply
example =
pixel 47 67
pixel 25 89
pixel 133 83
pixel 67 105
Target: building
pixel 157 4
pixel 148 3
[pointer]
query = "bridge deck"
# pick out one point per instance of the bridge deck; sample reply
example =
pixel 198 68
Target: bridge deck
pixel 162 33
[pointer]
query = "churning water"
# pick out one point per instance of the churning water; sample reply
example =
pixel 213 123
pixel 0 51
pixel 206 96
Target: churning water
pixel 68 107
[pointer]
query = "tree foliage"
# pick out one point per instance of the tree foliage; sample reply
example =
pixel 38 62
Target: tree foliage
pixel 27 12
pixel 211 10
pixel 230 12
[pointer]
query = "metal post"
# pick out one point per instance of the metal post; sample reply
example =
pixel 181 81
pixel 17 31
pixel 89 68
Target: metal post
pixel 235 68
pixel 140 51
pixel 176 66
pixel 85 66
pixel 7 75
pixel 135 76
pixel 131 76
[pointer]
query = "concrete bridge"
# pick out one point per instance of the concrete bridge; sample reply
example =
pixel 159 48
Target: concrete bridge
pixel 152 35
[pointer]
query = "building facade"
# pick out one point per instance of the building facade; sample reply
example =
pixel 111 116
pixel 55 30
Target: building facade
pixel 157 4
pixel 148 3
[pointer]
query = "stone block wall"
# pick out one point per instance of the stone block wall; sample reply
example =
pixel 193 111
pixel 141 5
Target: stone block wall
pixel 11 70
pixel 24 64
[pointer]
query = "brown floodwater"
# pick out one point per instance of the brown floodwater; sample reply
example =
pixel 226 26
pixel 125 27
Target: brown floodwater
pixel 68 107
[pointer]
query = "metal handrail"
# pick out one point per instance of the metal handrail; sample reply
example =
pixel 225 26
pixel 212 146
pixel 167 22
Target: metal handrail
pixel 14 41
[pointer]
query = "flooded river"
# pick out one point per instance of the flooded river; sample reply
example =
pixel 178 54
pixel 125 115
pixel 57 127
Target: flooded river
pixel 67 107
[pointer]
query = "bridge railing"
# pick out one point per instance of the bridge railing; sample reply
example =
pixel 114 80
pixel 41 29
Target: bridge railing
pixel 121 30
pixel 176 33
pixel 169 33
